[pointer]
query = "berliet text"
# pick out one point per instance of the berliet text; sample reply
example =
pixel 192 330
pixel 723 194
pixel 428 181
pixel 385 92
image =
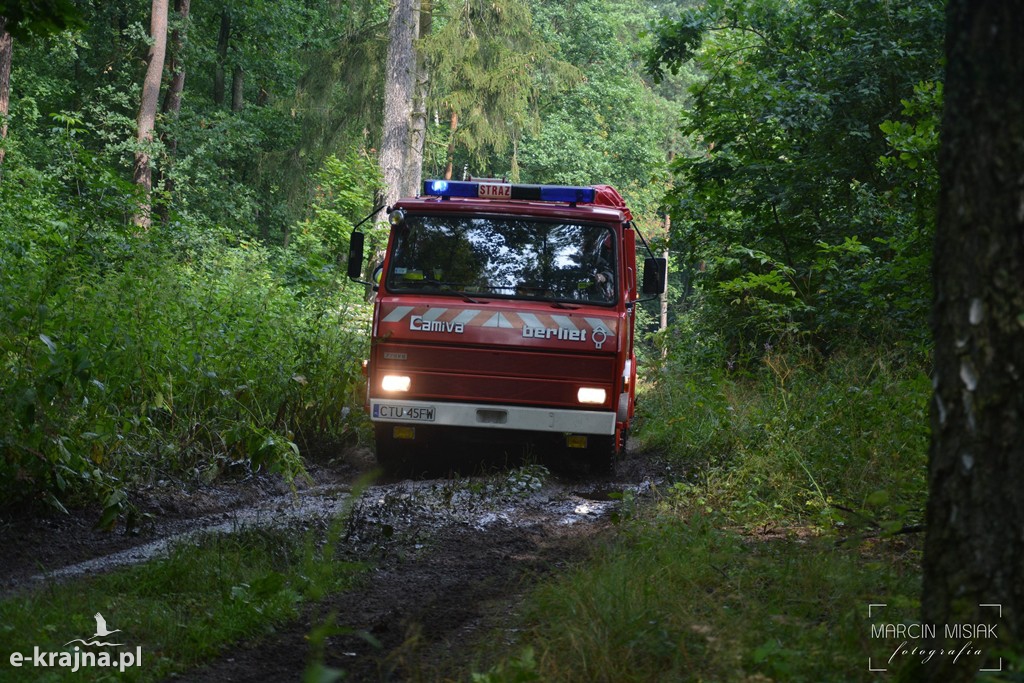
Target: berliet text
pixel 557 333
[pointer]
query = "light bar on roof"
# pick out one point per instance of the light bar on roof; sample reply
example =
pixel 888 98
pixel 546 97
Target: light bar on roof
pixel 541 193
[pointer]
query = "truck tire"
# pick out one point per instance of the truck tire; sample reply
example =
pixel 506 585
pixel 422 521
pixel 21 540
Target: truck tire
pixel 392 455
pixel 601 454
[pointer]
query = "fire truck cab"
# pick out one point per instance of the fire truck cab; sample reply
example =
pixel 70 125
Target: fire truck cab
pixel 504 317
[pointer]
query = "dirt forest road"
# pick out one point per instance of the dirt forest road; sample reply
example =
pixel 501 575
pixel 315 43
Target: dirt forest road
pixel 451 559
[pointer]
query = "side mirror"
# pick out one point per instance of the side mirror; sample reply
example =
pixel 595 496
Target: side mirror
pixel 355 255
pixel 655 275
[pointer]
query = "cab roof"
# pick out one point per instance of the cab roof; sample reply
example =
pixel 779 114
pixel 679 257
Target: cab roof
pixel 600 202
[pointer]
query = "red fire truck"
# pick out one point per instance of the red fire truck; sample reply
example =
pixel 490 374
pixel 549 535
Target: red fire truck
pixel 504 317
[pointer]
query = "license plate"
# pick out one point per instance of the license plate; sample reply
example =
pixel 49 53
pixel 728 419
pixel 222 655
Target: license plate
pixel 387 411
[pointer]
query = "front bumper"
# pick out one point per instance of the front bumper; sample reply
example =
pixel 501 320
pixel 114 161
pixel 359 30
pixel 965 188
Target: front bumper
pixel 492 416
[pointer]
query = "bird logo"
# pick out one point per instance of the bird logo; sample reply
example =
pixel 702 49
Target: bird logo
pixel 101 632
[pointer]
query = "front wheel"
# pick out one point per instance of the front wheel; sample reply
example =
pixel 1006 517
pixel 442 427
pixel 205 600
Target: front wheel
pixel 601 453
pixel 392 454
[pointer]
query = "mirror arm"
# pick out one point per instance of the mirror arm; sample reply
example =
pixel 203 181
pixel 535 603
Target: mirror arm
pixel 355 227
pixel 642 240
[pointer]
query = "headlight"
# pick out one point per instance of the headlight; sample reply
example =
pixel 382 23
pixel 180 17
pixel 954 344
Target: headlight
pixel 591 395
pixel 395 383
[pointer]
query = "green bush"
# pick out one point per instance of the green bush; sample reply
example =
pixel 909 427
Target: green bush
pixel 180 351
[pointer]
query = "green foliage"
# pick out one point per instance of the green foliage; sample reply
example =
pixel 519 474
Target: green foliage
pixel 250 169
pixel 488 66
pixel 24 18
pixel 742 567
pixel 522 669
pixel 610 127
pixel 798 148
pixel 680 599
pixel 345 189
pixel 182 351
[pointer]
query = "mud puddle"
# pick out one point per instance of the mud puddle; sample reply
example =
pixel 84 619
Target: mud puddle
pixel 321 502
pixel 452 558
pixel 53 546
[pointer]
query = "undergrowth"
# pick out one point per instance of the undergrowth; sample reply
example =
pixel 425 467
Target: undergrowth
pixel 801 441
pixel 181 351
pixel 795 493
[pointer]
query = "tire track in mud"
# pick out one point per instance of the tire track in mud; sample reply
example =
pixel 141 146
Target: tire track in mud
pixel 453 559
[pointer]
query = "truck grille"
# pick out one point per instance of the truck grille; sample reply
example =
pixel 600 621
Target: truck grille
pixel 523 377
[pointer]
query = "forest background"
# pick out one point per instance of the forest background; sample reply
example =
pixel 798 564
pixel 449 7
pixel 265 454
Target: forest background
pixel 794 152
pixel 783 152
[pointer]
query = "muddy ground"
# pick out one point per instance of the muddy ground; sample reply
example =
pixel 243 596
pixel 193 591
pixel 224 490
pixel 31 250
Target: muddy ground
pixel 452 556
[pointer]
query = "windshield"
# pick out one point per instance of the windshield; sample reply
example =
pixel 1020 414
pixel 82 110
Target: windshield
pixel 522 258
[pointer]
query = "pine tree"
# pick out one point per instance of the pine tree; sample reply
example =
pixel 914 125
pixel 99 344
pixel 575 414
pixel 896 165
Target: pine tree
pixel 484 58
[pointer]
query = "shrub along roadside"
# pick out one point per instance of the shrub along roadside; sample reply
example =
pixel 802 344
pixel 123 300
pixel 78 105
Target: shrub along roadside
pixel 781 523
pixel 177 352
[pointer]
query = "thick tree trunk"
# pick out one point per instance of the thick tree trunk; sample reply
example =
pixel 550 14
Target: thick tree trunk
pixel 147 109
pixel 974 548
pixel 175 62
pixel 399 90
pixel 6 52
pixel 222 57
pixel 413 175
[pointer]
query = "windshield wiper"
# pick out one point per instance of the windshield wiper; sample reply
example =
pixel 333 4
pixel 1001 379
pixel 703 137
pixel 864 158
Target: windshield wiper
pixel 465 296
pixel 567 307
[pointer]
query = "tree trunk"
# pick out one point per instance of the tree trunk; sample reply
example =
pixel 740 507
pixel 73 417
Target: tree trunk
pixel 399 89
pixel 172 98
pixel 663 297
pixel 237 89
pixel 222 57
pixel 452 128
pixel 175 62
pixel 6 51
pixel 413 175
pixel 147 109
pixel 974 547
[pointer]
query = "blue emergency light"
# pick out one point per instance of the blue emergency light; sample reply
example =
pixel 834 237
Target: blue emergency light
pixel 541 193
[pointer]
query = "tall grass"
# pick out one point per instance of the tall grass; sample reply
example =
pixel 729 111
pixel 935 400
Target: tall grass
pixel 799 441
pixel 779 527
pixel 687 601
